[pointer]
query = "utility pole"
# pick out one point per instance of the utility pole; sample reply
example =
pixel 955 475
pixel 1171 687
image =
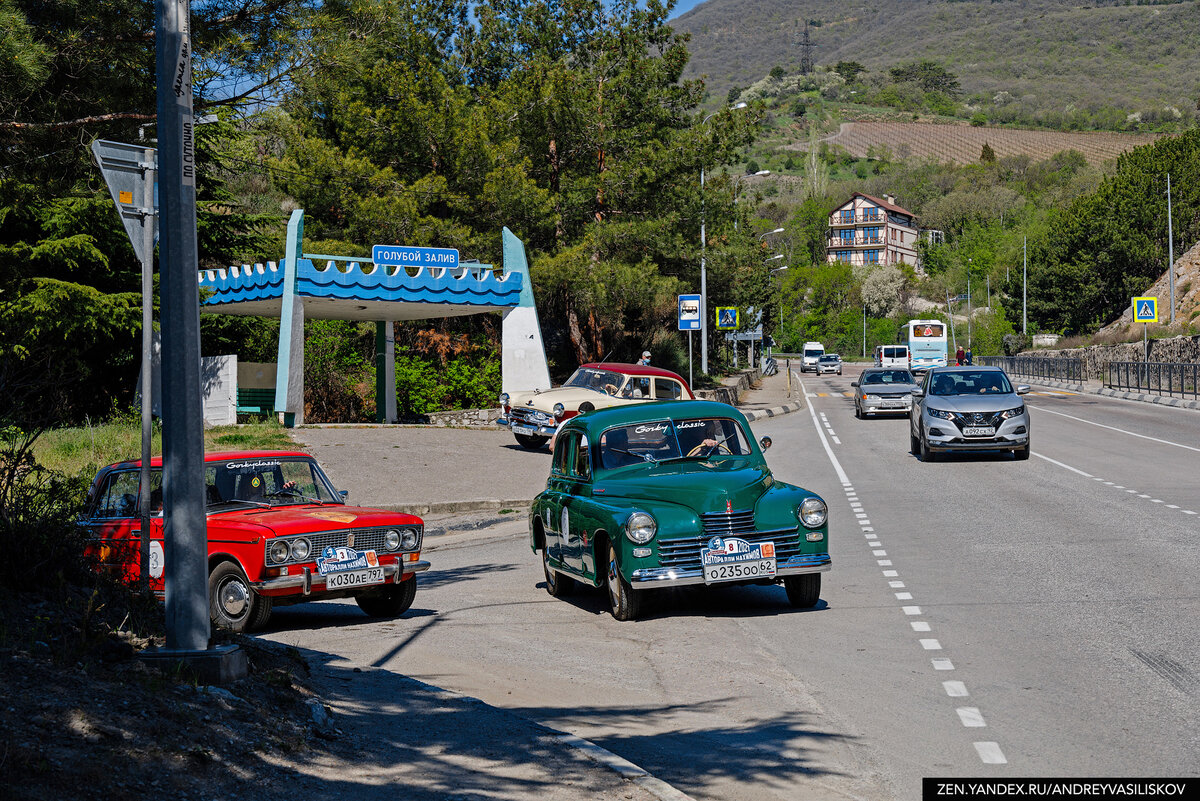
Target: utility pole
pixel 1170 251
pixel 806 48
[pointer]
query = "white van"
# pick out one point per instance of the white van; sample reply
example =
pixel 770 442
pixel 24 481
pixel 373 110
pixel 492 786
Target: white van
pixel 892 356
pixel 809 355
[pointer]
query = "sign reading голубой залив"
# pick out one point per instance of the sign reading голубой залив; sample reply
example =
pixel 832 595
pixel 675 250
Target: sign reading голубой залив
pixel 405 256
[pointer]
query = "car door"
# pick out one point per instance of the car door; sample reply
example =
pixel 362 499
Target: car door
pixel 577 520
pixel 918 404
pixel 115 531
pixel 553 497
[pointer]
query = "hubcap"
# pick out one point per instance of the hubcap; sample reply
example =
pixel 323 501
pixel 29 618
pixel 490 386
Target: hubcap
pixel 233 597
pixel 614 591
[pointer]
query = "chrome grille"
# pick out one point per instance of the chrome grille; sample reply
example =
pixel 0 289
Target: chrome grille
pixel 365 539
pixel 530 416
pixel 684 552
pixel 727 524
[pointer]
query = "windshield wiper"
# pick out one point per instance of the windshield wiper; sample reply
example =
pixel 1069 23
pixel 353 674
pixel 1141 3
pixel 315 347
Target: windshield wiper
pixel 293 493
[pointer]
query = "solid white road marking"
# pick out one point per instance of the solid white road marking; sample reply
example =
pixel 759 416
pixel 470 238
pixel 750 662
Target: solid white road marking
pixel 1063 466
pixel 1120 430
pixel 837 467
pixel 990 753
pixel 955 689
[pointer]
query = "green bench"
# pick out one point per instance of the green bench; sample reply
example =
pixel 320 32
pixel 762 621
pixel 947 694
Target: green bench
pixel 255 400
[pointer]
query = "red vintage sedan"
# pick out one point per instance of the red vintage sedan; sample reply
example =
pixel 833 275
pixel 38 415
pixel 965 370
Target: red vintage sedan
pixel 278 533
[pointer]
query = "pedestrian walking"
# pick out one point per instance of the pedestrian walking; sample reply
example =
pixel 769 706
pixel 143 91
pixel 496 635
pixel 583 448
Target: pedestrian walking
pixel 959 356
pixel 970 361
pixel 645 360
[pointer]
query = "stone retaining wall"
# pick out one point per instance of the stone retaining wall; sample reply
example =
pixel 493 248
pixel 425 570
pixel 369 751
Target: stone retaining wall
pixel 732 389
pixel 1095 358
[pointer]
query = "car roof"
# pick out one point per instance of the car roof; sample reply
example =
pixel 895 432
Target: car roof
pixel 216 456
pixel 633 369
pixel 602 419
pixel 965 368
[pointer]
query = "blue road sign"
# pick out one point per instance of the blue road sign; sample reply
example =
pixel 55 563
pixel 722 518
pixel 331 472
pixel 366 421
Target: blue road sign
pixel 1145 310
pixel 406 256
pixel 727 317
pixel 689 312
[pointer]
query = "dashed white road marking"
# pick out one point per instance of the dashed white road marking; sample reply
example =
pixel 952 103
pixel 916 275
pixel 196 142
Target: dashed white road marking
pixel 942 664
pixel 904 596
pixel 891 573
pixel 990 753
pixel 879 553
pixel 931 645
pixel 970 716
pixel 955 689
pixel 911 610
pixel 919 625
pixel 896 585
pixel 884 562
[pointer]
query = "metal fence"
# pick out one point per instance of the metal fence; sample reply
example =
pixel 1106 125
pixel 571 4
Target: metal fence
pixel 1070 370
pixel 1160 378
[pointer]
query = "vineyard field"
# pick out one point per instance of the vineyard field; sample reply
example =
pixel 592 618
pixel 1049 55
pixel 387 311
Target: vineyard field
pixel 962 144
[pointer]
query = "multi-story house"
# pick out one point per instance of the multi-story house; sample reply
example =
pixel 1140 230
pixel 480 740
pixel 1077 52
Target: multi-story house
pixel 867 230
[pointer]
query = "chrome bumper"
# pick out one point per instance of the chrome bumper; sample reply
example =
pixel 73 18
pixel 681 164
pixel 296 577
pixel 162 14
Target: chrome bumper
pixel 541 431
pixel 309 581
pixel 676 576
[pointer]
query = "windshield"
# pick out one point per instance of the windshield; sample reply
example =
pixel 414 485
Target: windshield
pixel 811 352
pixel 705 437
pixel 833 358
pixel 267 481
pixel 888 377
pixel 970 382
pixel 594 378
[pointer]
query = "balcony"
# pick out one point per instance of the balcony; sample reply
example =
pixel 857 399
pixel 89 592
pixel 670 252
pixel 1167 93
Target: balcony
pixel 840 219
pixel 858 241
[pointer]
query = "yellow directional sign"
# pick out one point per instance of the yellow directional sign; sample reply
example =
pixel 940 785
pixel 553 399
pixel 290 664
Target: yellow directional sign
pixel 1145 310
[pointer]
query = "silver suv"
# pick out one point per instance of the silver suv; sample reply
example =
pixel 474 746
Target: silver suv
pixel 968 409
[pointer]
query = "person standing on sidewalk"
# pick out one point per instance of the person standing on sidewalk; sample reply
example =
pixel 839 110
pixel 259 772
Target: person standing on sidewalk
pixel 645 360
pixel 958 356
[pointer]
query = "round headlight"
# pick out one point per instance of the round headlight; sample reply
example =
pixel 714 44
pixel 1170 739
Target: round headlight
pixel 300 549
pixel 559 410
pixel 409 538
pixel 278 551
pixel 391 539
pixel 812 512
pixel 503 398
pixel 640 528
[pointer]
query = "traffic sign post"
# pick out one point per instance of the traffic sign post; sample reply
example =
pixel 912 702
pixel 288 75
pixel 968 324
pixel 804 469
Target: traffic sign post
pixel 689 320
pixel 1145 311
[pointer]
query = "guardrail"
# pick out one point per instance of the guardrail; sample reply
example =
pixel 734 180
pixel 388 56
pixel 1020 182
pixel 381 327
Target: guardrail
pixel 1052 369
pixel 1173 379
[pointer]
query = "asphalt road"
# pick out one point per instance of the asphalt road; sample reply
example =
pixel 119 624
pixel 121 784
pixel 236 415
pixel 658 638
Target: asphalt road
pixel 984 617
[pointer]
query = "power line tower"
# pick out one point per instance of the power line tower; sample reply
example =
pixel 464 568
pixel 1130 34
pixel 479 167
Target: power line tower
pixel 806 51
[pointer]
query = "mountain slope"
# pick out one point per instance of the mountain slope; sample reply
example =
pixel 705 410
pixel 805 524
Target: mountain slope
pixel 1047 53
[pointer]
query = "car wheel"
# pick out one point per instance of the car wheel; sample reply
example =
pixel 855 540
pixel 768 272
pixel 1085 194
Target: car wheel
pixel 557 584
pixel 232 604
pixel 1022 454
pixel 926 454
pixel 858 412
pixel 803 591
pixel 391 601
pixel 624 600
pixel 914 444
pixel 528 442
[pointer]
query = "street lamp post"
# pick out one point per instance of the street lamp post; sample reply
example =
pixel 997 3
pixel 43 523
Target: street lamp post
pixel 968 303
pixel 737 184
pixel 704 266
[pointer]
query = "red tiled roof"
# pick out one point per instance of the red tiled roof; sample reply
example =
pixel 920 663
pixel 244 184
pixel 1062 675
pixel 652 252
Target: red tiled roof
pixel 885 204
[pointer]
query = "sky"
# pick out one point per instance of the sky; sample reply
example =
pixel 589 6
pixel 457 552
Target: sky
pixel 684 6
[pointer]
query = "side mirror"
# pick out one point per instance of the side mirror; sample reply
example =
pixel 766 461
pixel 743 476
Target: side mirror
pixel 764 443
pixel 918 393
pixel 344 493
pixel 1022 389
pixel 854 383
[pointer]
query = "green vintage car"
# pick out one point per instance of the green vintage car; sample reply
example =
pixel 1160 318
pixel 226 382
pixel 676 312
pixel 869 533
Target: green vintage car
pixel 668 494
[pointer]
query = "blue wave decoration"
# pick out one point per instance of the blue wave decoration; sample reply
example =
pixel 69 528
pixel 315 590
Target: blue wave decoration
pixel 466 285
pixel 244 283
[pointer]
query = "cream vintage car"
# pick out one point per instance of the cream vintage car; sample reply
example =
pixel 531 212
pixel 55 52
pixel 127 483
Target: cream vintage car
pixel 533 417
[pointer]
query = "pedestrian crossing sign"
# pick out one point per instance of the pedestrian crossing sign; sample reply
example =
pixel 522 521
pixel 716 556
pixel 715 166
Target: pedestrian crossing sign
pixel 1145 310
pixel 727 317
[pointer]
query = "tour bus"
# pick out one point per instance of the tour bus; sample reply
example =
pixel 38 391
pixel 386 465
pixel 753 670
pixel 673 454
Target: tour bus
pixel 926 340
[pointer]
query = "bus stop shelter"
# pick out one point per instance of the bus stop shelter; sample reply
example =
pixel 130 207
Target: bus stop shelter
pixel 397 283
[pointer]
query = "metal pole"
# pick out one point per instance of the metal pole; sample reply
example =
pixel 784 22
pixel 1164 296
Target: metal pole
pixel 864 330
pixel 703 287
pixel 149 220
pixel 186 551
pixel 1170 251
pixel 1024 286
pixel 691 383
pixel 968 303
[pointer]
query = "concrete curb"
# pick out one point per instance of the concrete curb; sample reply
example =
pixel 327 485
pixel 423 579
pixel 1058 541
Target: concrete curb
pixel 774 411
pixel 447 508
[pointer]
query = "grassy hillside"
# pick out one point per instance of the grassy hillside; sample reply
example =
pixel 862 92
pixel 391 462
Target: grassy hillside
pixel 1050 56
